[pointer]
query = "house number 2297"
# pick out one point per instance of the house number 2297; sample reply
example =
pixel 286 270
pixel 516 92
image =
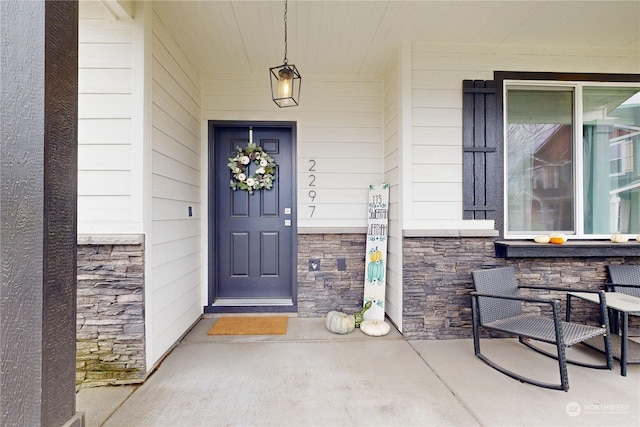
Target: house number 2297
pixel 312 183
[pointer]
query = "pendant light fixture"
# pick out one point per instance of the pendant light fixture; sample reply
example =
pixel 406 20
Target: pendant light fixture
pixel 285 78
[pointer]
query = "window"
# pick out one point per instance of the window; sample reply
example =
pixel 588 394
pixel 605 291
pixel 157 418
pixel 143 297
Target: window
pixel 570 157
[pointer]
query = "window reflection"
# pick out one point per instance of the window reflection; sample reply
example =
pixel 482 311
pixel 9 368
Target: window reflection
pixel 611 134
pixel 540 160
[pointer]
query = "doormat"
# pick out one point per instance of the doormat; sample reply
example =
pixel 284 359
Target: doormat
pixel 271 325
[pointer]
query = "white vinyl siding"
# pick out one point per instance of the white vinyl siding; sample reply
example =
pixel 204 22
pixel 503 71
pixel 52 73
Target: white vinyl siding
pixel 437 75
pixel 174 288
pixel 107 186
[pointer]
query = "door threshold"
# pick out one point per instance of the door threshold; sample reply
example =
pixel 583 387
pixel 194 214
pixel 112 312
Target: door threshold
pixel 252 302
pixel 251 305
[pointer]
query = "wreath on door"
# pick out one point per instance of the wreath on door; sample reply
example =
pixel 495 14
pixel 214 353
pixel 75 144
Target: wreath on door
pixel 241 165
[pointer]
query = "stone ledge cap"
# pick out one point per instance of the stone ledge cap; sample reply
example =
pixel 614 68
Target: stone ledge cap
pixel 332 230
pixel 449 233
pixel 110 239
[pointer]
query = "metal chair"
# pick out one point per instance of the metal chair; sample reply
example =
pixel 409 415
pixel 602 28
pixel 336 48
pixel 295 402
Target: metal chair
pixel 624 279
pixel 497 304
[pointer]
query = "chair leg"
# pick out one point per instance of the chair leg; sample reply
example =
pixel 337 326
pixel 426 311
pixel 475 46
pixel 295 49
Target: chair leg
pixel 607 365
pixel 564 382
pixel 562 365
pixel 475 322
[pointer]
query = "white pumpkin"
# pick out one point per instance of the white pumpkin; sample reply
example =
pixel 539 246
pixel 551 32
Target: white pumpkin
pixel 375 328
pixel 618 237
pixel 340 323
pixel 542 238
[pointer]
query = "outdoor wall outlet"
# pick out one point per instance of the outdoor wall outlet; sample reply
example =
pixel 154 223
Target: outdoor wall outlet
pixel 342 264
pixel 190 211
pixel 314 264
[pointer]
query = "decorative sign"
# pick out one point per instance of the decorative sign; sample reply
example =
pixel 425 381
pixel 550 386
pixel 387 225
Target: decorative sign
pixel 376 251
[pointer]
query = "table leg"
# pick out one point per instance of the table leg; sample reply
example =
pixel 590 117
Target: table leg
pixel 614 324
pixel 568 310
pixel 623 350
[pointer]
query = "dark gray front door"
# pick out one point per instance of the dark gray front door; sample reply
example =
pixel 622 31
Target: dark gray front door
pixel 253 234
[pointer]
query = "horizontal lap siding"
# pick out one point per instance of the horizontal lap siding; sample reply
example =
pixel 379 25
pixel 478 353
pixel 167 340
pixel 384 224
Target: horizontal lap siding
pixel 105 104
pixel 437 134
pixel 174 291
pixel 437 75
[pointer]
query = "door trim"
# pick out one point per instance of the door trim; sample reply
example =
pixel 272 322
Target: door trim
pixel 214 304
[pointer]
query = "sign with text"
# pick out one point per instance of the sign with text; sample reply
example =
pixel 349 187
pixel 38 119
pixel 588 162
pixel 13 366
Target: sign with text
pixel 376 250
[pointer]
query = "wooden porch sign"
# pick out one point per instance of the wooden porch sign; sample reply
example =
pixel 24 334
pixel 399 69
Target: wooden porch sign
pixel 376 251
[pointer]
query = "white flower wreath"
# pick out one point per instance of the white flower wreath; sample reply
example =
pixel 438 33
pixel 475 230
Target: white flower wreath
pixel 263 176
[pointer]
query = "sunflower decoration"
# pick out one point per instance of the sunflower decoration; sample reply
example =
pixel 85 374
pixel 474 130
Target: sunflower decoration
pixel 252 157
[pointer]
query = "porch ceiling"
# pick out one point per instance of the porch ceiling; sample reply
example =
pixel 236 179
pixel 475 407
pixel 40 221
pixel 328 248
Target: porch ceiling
pixel 360 37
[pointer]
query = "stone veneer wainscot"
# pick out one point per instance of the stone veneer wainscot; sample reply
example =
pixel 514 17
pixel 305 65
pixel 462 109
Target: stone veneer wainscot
pixel 329 289
pixel 437 281
pixel 110 310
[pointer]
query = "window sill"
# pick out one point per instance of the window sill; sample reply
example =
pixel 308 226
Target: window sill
pixel 571 249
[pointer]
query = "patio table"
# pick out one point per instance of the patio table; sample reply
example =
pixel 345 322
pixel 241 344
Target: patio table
pixel 625 350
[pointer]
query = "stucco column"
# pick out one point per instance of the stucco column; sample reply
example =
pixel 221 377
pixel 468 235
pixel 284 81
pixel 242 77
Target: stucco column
pixel 38 169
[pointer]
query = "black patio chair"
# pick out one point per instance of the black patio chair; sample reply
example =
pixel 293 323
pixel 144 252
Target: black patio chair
pixel 624 279
pixel 497 304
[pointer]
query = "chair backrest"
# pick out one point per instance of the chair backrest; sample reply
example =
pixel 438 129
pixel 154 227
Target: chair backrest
pixel 497 281
pixel 625 275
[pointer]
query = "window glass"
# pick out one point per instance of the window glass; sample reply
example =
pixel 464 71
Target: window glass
pixel 611 138
pixel 540 160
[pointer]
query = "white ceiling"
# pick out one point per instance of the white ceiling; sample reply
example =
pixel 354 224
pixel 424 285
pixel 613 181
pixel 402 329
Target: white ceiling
pixel 360 37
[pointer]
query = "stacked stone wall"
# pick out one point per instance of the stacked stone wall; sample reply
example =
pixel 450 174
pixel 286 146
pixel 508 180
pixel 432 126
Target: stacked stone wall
pixel 437 282
pixel 110 340
pixel 329 289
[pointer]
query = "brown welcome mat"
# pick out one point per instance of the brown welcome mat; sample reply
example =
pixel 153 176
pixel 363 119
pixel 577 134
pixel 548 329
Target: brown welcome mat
pixel 271 325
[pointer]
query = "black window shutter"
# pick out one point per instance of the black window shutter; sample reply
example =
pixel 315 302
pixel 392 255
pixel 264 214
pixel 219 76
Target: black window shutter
pixel 480 164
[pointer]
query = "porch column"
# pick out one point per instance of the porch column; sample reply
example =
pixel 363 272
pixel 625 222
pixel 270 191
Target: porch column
pixel 38 169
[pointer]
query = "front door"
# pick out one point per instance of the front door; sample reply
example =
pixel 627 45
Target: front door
pixel 253 239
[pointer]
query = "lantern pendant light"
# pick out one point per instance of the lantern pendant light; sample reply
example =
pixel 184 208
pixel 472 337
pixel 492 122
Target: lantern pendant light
pixel 285 78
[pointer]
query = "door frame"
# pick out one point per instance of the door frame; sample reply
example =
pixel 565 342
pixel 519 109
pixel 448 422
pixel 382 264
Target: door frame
pixel 212 126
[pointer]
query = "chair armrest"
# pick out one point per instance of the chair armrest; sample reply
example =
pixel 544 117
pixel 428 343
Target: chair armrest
pixel 554 303
pixel 600 292
pixel 609 286
pixel 516 298
pixel 559 288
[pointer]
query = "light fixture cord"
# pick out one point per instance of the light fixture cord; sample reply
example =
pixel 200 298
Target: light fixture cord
pixel 285 32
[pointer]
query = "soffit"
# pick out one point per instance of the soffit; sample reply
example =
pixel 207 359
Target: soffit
pixel 361 37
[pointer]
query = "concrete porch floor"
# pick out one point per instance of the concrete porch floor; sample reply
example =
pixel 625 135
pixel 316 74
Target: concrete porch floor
pixel 315 378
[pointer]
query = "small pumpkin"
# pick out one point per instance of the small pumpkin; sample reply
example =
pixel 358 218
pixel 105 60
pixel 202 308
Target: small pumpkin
pixel 558 238
pixel 542 238
pixel 340 323
pixel 618 237
pixel 375 328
